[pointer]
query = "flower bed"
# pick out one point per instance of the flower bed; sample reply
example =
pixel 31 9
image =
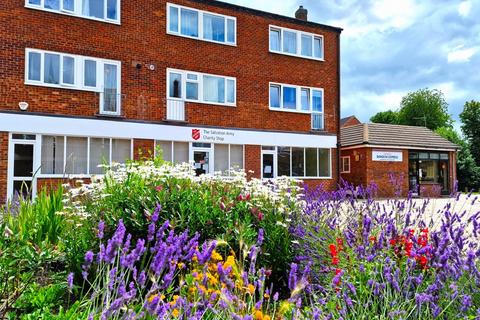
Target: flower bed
pixel 151 240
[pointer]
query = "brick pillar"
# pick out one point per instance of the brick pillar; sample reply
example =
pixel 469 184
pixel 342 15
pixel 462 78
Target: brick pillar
pixel 3 166
pixel 252 161
pixel 143 149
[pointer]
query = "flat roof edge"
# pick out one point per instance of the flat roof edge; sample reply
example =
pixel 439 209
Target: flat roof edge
pixel 222 4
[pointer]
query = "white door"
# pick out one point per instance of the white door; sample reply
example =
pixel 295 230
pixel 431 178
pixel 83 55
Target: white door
pixel 269 167
pixel 202 156
pixel 21 165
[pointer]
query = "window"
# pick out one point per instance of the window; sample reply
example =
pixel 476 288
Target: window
pixel 213 89
pixel 202 25
pixel 345 164
pixel 202 88
pixel 52 154
pixel 296 43
pixel 53 69
pixel 275 96
pixel 289 98
pixel 296 98
pixel 81 155
pixel 275 39
pixel 228 157
pixel 104 10
pixel 303 162
pixel 180 152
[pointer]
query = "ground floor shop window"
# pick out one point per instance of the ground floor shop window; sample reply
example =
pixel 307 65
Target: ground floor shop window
pixel 206 157
pixel 429 168
pixel 81 155
pixel 296 162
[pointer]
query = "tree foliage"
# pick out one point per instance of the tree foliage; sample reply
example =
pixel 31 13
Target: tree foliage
pixel 388 117
pixel 468 173
pixel 470 117
pixel 425 107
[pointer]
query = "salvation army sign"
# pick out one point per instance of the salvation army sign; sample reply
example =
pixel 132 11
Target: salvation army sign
pixel 212 135
pixel 393 156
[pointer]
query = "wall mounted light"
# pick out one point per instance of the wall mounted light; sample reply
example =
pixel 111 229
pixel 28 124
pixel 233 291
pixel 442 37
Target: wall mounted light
pixel 23 105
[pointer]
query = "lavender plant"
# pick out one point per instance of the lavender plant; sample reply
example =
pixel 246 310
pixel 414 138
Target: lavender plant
pixel 389 260
pixel 169 275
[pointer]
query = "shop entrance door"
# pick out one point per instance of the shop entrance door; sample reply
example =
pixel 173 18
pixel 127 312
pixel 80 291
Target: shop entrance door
pixel 201 162
pixel 413 177
pixel 268 164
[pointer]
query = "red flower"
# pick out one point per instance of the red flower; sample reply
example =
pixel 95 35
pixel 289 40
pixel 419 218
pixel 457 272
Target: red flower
pixel 393 242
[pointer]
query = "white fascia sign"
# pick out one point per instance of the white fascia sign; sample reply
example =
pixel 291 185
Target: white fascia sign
pixel 389 156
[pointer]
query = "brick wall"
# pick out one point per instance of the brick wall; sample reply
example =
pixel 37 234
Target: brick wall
pixel 382 172
pixel 142 37
pixel 358 166
pixel 364 171
pixel 253 155
pixel 143 149
pixel 3 166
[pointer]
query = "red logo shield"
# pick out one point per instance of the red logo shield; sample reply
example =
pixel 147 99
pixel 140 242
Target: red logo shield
pixel 196 134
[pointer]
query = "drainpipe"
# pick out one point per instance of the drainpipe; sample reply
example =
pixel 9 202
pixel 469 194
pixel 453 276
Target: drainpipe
pixel 338 110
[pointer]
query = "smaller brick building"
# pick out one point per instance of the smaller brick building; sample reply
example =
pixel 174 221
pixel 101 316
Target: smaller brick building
pixel 398 159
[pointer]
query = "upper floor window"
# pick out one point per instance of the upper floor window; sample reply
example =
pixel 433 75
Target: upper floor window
pixel 202 25
pixel 201 87
pixel 296 43
pixel 287 97
pixel 105 10
pixel 63 70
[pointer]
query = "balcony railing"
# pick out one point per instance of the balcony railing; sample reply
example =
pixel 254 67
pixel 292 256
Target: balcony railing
pixel 175 110
pixel 317 121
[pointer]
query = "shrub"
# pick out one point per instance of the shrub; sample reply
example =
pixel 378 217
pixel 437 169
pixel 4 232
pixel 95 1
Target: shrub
pixel 229 209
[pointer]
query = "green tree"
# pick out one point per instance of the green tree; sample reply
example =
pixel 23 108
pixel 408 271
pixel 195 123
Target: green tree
pixel 389 117
pixel 468 173
pixel 425 107
pixel 470 117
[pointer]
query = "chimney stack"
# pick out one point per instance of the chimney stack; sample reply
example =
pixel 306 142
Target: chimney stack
pixel 301 14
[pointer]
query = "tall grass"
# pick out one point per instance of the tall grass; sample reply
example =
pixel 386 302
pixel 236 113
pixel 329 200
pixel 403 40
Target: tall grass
pixel 37 220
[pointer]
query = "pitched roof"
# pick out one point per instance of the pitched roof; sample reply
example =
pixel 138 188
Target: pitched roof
pixel 343 121
pixel 393 135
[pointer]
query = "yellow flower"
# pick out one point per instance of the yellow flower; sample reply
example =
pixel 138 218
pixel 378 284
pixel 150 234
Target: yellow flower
pixel 285 307
pixel 266 295
pixel 150 299
pixel 251 289
pixel 192 290
pixel 266 317
pixel 180 265
pixel 175 313
pixel 230 262
pixel 258 315
pixel 202 288
pixel 213 281
pixel 216 256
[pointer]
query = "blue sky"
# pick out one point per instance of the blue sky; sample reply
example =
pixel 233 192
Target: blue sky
pixel 392 47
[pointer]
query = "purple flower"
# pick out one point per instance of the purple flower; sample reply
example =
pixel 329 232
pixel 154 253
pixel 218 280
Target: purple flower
pixel 70 280
pixel 89 257
pixel 260 237
pixel 101 228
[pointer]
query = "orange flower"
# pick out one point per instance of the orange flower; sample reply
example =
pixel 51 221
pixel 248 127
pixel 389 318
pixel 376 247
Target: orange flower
pixel 251 289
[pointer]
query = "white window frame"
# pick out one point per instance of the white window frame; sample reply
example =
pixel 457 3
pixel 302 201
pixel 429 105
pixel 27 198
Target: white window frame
pixel 77 12
pixel 298 89
pixel 304 177
pixel 344 158
pixel 200 87
pixel 200 24
pixel 299 34
pixel 76 175
pixel 191 149
pixel 79 72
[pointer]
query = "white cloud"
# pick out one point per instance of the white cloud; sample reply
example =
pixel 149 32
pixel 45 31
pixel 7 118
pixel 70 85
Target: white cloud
pixel 461 54
pixel 396 14
pixel 464 8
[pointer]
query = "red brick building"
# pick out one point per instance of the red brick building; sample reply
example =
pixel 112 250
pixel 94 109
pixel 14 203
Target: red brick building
pixel 94 81
pixel 398 159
